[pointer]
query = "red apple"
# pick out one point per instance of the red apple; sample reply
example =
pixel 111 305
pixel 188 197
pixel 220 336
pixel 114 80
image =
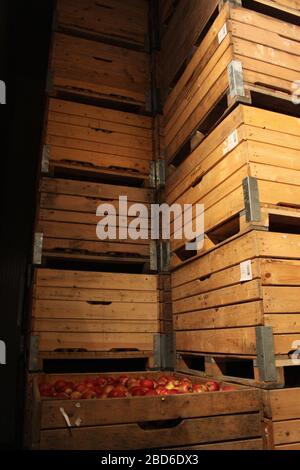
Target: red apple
pixel 108 389
pixel 132 383
pixel 117 393
pixel 81 388
pixel 101 381
pixel 199 388
pixel 212 386
pixel 162 390
pixel 89 395
pixel 123 379
pixel 173 392
pixel 60 385
pixel 111 381
pixel 76 395
pixel 185 387
pixel 147 383
pixel 163 380
pixel 138 391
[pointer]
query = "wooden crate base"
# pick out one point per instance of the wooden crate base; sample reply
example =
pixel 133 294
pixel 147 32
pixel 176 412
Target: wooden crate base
pixel 273 219
pixel 238 369
pixel 145 422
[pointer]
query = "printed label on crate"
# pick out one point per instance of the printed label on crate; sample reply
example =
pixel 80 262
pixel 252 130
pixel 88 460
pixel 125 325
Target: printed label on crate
pixel 231 142
pixel 222 33
pixel 246 271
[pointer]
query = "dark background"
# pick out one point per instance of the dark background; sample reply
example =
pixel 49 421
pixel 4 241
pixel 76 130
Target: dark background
pixel 25 29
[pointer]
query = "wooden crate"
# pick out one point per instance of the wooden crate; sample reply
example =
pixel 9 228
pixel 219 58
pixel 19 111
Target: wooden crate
pixel 67 219
pixel 282 419
pixel 231 419
pixel 192 18
pixel 96 70
pixel 110 20
pixel 98 141
pixel 236 61
pixel 93 312
pixel 251 148
pixel 240 301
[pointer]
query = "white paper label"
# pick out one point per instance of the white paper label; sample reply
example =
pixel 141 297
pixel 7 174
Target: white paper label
pixel 222 33
pixel 246 271
pixel 231 142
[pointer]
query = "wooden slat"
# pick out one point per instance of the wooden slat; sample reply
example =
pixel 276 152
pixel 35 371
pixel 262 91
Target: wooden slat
pixel 222 341
pixel 111 19
pixel 91 341
pixel 189 406
pixel 99 70
pixel 212 429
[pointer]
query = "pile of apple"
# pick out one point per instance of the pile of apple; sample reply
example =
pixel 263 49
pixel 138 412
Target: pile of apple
pixel 125 386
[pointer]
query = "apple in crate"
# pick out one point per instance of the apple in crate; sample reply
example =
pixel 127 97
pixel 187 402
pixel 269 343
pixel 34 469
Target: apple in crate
pixel 212 386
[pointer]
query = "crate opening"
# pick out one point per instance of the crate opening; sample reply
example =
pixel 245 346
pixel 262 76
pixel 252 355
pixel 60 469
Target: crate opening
pixel 269 10
pixel 194 362
pixel 292 376
pixel 235 367
pixel 166 424
pixel 184 254
pixel 227 230
pixel 284 224
pixel 56 366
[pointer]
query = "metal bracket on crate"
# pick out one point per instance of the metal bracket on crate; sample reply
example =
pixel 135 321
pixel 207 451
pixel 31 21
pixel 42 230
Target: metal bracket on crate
pixel 34 353
pixel 236 79
pixel 157 174
pixel 38 248
pixel 164 256
pixel 265 353
pixel 251 199
pixel 164 351
pixel 46 158
pixel 153 256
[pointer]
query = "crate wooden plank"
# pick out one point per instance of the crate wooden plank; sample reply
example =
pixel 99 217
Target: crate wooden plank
pixel 199 430
pixel 98 70
pixel 97 140
pixel 56 341
pixel 114 20
pixel 262 58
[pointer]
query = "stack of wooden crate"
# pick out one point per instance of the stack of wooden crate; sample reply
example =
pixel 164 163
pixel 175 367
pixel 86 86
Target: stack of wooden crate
pixel 231 129
pixel 95 299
